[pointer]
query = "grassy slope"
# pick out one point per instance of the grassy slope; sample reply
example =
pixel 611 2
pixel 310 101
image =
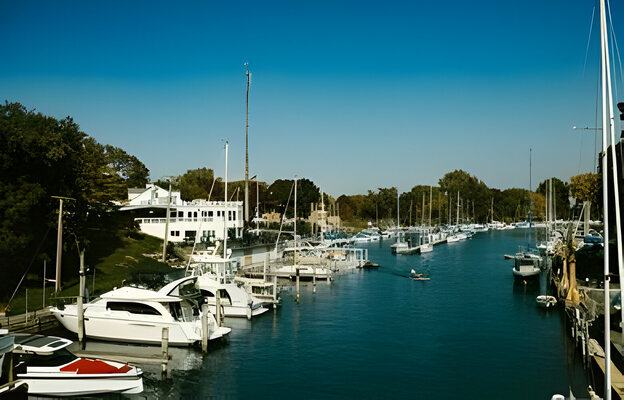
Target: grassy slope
pixel 116 257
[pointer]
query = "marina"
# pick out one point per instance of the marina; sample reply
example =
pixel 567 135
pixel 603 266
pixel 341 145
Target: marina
pixel 172 230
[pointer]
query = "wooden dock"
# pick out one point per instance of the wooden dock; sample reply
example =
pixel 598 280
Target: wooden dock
pixel 617 379
pixel 30 322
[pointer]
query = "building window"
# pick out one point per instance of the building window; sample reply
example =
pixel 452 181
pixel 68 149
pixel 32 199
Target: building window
pixel 234 215
pixel 189 214
pixel 181 214
pixel 210 213
pixel 195 214
pixel 229 215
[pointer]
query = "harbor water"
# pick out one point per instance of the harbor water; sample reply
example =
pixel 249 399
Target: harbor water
pixel 469 332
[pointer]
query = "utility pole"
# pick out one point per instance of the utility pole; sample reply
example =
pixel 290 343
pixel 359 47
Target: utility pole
pixel 59 243
pixel 247 149
pixel 164 253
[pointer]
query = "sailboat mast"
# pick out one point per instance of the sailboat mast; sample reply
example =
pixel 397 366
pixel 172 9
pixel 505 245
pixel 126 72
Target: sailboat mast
pixel 430 200
pixel 247 149
pixel 614 170
pixel 458 208
pixel 605 197
pixel 295 223
pixel 530 189
pixel 398 221
pixel 225 229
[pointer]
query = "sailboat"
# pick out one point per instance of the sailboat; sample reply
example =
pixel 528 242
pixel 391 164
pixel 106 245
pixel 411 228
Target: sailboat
pixel 608 133
pixel 528 263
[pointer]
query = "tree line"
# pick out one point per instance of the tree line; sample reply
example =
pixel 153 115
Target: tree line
pixel 42 158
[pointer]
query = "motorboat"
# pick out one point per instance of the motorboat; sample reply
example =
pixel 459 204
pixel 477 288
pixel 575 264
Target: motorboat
pixel 45 365
pixel 426 248
pixel 215 274
pixel 417 276
pixel 306 272
pixel 452 239
pixel 545 301
pixel 527 265
pixel 398 246
pixel 134 315
pixel 262 290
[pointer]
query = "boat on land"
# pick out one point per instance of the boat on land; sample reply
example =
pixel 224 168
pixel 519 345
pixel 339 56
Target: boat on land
pixel 215 274
pixel 45 365
pixel 134 315
pixel 545 301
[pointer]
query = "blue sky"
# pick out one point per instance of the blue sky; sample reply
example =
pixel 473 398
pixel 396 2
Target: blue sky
pixel 353 95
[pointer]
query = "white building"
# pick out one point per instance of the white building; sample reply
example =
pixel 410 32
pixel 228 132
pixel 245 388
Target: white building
pixel 186 218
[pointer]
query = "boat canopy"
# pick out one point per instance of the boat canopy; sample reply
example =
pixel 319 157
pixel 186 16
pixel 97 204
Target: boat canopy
pixel 39 344
pixel 136 294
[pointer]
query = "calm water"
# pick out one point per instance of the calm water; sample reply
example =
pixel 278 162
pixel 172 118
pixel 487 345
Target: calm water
pixel 467 333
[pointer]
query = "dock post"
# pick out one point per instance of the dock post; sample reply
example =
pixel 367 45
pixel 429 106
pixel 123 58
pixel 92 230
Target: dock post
pixel 297 284
pixel 274 292
pixel 218 307
pixel 26 306
pixel 205 330
pixel 79 306
pixel 314 280
pixel 80 312
pixel 165 350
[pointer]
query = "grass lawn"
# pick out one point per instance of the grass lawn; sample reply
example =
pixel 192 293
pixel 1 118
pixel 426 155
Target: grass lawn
pixel 116 258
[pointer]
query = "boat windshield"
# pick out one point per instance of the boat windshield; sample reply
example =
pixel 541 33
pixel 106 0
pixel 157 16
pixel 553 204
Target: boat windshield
pixel 183 311
pixel 57 358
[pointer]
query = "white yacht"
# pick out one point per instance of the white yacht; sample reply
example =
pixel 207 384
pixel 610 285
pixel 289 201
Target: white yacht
pixel 215 274
pixel 138 315
pixel 45 365
pixel 305 272
pixel 452 239
pixel 426 248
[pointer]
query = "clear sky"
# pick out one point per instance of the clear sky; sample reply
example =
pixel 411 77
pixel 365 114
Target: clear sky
pixel 354 95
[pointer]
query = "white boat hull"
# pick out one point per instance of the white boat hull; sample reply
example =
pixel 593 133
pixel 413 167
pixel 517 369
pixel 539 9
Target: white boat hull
pixel 74 385
pixel 236 311
pixel 525 273
pixel 133 330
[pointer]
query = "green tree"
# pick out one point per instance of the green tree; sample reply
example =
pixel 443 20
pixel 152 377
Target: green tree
pixel 561 195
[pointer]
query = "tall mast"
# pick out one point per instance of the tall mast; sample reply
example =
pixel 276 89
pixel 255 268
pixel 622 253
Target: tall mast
pixel 430 194
pixel 225 216
pixel 530 188
pixel 295 223
pixel 398 222
pixel 247 148
pixel 458 208
pixel 614 169
pixel 604 51
pixel 422 220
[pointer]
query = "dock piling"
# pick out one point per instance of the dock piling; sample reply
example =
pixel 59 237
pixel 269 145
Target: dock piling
pixel 297 279
pixel 314 279
pixel 218 307
pixel 165 350
pixel 274 291
pixel 205 328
